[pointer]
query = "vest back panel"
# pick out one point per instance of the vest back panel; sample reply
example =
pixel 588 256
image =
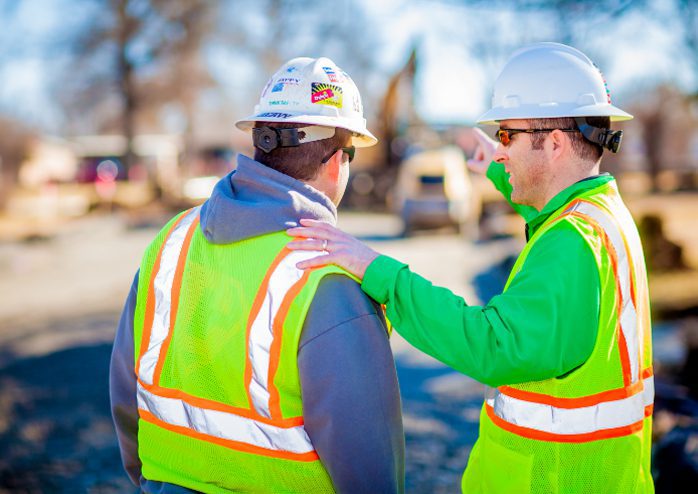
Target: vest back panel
pixel 208 345
pixel 216 334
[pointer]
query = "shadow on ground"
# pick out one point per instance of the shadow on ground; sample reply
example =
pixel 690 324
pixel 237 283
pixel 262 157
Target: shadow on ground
pixel 441 424
pixel 56 431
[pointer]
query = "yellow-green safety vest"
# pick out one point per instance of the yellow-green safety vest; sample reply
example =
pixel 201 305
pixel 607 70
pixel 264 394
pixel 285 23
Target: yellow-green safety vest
pixel 216 332
pixel 588 431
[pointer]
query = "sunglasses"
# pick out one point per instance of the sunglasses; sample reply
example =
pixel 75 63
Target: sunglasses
pixel 349 151
pixel 504 135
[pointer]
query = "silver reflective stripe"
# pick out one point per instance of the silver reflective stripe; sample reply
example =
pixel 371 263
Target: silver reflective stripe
pixel 582 420
pixel 163 293
pixel 223 425
pixel 628 316
pixel 285 275
pixel 216 423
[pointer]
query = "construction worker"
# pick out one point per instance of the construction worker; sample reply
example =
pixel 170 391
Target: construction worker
pixel 235 371
pixel 566 347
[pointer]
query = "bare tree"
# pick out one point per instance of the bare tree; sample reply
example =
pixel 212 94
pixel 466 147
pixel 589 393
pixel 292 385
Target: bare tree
pixel 268 32
pixel 132 58
pixel 15 141
pixel 496 28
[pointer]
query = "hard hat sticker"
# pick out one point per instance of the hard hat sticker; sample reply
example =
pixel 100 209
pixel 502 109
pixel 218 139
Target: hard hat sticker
pixel 605 84
pixel 326 94
pixel 282 82
pixel 273 115
pixel 332 75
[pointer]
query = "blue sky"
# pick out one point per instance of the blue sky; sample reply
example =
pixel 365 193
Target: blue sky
pixel 454 82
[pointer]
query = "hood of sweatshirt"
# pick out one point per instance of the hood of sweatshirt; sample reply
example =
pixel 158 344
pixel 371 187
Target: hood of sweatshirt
pixel 255 200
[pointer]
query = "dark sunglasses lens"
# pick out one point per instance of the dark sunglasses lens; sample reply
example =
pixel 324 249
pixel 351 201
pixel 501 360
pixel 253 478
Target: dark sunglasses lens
pixel 350 152
pixel 504 137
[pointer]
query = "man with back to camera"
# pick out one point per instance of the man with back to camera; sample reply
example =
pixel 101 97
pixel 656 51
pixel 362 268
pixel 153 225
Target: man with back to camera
pixel 567 346
pixel 250 374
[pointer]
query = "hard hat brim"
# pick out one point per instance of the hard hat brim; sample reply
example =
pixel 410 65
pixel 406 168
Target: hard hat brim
pixel 362 136
pixel 525 112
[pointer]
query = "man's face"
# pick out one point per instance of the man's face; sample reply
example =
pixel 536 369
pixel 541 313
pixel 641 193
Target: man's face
pixel 527 167
pixel 343 178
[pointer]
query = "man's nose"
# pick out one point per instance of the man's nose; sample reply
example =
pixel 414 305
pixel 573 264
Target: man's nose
pixel 500 154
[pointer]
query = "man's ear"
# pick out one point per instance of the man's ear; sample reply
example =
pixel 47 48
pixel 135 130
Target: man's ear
pixel 559 144
pixel 333 165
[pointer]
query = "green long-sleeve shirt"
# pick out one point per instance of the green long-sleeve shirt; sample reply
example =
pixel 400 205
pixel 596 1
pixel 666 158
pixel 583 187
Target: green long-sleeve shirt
pixel 542 327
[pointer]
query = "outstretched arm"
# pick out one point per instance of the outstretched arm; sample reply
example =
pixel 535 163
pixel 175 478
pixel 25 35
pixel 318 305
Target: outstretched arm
pixel 543 326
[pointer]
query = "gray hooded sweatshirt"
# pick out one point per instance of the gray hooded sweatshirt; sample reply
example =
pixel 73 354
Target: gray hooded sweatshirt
pixel 351 400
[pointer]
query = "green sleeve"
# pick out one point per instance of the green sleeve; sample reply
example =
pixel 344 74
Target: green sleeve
pixel 542 327
pixel 500 178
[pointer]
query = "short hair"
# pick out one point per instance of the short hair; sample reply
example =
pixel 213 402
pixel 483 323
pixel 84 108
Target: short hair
pixel 301 162
pixel 584 149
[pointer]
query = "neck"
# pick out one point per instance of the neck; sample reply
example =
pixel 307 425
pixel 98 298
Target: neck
pixel 573 173
pixel 321 184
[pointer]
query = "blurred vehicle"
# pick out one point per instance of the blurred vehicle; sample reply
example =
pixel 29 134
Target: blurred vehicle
pixel 201 174
pixel 434 190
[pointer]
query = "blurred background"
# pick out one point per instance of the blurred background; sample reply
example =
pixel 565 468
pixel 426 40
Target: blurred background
pixel 116 114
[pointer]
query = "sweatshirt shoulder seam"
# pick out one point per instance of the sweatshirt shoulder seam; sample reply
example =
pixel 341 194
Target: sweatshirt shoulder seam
pixel 347 321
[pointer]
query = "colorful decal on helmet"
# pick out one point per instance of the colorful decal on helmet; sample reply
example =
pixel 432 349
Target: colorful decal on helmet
pixel 608 91
pixel 326 94
pixel 288 81
pixel 273 115
pixel 332 75
pixel 282 82
pixel 292 69
pixel 605 84
pixel 279 102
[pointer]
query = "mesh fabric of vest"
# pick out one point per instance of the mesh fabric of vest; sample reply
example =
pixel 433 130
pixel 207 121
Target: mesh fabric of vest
pixel 206 359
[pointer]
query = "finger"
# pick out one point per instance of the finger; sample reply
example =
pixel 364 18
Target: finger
pixel 479 154
pixel 309 244
pixel 315 223
pixel 308 232
pixel 478 166
pixel 316 262
pixel 330 231
pixel 481 136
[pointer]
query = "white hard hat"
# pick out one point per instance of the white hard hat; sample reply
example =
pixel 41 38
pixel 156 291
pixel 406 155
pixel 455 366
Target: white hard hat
pixel 550 80
pixel 315 92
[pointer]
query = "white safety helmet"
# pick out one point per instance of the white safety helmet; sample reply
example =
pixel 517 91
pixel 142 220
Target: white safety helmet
pixel 314 92
pixel 550 80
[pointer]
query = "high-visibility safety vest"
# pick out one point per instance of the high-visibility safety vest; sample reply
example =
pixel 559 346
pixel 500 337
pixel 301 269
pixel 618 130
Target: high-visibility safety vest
pixel 216 332
pixel 589 430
